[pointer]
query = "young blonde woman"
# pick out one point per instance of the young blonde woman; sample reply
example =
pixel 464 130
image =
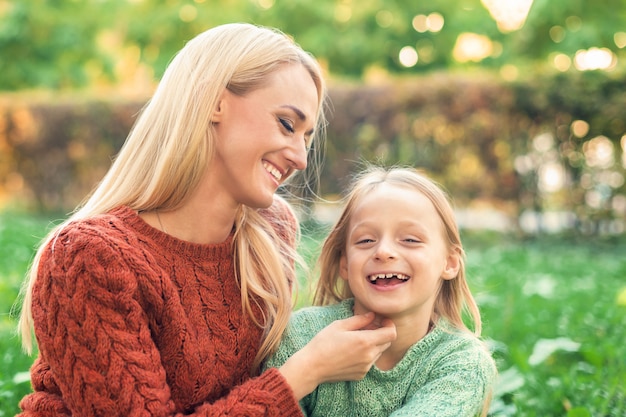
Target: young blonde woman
pixel 396 251
pixel 163 293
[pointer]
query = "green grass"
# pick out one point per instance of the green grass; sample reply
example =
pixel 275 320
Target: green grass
pixel 554 312
pixel 19 234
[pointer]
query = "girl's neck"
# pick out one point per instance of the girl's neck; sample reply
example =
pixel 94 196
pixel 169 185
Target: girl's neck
pixel 409 332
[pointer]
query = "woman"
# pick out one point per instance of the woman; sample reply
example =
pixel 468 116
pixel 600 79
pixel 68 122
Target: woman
pixel 165 291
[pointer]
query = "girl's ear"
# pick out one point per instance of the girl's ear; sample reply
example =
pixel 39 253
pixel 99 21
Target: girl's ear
pixel 452 267
pixel 343 267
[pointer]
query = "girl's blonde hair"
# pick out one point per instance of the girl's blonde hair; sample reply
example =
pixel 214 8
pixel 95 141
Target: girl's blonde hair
pixel 172 142
pixel 454 296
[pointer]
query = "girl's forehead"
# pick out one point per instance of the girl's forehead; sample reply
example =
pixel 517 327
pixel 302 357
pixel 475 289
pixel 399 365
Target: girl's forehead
pixel 394 202
pixel 399 193
pixel 398 208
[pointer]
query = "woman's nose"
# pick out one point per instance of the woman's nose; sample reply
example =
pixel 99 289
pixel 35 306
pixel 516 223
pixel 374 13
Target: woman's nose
pixel 297 156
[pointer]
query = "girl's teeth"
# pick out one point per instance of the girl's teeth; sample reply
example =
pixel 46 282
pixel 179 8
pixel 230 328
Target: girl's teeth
pixel 401 277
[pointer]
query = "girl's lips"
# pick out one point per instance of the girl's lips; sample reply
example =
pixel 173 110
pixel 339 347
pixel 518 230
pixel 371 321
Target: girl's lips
pixel 388 287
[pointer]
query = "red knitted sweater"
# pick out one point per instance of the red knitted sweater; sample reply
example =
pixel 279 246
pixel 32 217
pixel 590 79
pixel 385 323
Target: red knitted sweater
pixel 133 322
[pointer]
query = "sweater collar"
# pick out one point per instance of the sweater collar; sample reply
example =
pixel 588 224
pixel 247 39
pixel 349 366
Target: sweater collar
pixel 171 243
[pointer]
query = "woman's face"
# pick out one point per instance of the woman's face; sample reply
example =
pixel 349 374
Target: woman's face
pixel 262 137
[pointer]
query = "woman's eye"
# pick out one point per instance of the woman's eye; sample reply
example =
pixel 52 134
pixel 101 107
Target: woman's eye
pixel 287 125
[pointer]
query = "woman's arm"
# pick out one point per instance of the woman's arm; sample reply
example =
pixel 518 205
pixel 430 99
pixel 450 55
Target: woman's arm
pixel 95 337
pixel 340 352
pixel 316 347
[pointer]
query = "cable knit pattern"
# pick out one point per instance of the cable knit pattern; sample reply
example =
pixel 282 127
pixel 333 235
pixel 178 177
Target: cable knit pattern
pixel 446 374
pixel 133 322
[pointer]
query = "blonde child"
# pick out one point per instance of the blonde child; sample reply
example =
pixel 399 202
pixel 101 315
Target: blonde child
pixel 396 251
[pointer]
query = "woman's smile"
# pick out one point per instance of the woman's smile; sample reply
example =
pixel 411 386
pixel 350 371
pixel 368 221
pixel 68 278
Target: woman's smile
pixel 273 171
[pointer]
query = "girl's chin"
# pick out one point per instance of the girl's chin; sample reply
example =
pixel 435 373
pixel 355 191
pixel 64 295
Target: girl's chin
pixel 379 316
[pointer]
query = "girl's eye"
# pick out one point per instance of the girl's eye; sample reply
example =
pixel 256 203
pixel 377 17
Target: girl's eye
pixel 364 241
pixel 287 125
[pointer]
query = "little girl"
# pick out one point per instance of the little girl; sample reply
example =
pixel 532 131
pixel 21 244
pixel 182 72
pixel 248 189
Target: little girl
pixel 396 251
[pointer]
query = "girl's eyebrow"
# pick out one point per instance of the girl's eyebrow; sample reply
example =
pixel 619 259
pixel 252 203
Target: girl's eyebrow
pixel 299 113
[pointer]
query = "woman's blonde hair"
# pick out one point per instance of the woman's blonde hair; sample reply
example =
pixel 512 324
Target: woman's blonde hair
pixel 454 295
pixel 172 142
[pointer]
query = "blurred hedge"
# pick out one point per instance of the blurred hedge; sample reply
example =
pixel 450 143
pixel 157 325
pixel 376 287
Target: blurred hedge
pixel 470 132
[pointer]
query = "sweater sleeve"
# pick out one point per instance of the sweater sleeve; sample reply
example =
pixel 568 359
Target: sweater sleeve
pixel 303 326
pixel 95 340
pixel 457 388
pixel 291 342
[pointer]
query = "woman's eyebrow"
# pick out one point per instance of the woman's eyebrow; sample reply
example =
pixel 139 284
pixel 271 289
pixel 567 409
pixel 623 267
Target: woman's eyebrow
pixel 296 110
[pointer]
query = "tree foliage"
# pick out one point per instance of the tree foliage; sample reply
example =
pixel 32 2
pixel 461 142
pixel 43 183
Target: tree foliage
pixel 66 44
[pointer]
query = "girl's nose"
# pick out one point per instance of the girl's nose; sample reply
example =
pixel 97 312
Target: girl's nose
pixel 385 250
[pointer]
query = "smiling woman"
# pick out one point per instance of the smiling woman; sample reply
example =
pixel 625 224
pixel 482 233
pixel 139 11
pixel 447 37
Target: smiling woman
pixel 396 251
pixel 162 294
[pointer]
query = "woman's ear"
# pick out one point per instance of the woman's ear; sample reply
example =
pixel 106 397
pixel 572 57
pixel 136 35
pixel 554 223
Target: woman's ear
pixel 218 114
pixel 452 266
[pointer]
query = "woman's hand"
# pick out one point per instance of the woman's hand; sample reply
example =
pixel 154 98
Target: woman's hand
pixel 342 351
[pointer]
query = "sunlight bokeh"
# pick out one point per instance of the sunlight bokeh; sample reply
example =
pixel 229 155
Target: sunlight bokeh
pixel 472 47
pixel 509 15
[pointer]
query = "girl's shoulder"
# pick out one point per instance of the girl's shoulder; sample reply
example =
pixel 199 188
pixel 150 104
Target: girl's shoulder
pixel 457 339
pixel 316 318
pixel 448 344
pixel 460 348
pixel 304 324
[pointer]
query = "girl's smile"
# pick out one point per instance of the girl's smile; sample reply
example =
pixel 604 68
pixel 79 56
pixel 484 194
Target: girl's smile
pixel 388 281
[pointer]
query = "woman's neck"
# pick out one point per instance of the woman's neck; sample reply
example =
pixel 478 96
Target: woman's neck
pixel 195 221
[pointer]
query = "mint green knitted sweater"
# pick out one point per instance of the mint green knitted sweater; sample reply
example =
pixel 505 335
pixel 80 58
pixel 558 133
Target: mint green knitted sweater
pixel 447 373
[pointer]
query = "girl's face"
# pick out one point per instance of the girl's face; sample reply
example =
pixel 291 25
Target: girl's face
pixel 262 137
pixel 396 256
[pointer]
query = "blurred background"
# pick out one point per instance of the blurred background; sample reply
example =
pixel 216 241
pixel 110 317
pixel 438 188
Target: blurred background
pixel 517 107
